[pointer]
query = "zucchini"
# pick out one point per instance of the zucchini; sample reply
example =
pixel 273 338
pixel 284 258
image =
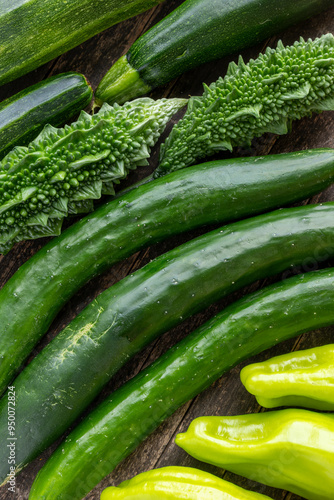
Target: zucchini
pixel 245 328
pixel 63 170
pixel 265 95
pixel 198 31
pixel 54 101
pixel 205 194
pixel 32 32
pixel 72 369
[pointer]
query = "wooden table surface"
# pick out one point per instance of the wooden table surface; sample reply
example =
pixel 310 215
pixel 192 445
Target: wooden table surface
pixel 227 396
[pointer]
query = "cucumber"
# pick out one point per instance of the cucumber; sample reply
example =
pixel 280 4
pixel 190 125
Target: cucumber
pixel 205 194
pixel 32 32
pixel 245 328
pixel 72 369
pixel 54 101
pixel 198 31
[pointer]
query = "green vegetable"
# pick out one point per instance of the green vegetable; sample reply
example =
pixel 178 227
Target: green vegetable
pixel 205 194
pixel 170 483
pixel 264 95
pixel 198 31
pixel 304 378
pixel 116 427
pixel 63 170
pixel 72 369
pixel 32 32
pixel 52 101
pixel 288 449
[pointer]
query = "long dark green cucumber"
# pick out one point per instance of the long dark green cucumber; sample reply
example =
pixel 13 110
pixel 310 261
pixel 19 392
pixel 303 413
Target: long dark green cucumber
pixel 209 193
pixel 67 375
pixel 245 328
pixel 54 101
pixel 34 32
pixel 198 31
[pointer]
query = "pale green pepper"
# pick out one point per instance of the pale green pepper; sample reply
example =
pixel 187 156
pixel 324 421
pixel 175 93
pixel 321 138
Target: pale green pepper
pixel 303 378
pixel 185 483
pixel 288 449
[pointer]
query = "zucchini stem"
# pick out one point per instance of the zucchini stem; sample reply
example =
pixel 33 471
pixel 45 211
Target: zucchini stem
pixel 122 83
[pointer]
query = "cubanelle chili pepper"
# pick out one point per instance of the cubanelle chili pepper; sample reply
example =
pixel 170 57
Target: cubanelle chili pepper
pixel 289 449
pixel 186 483
pixel 304 378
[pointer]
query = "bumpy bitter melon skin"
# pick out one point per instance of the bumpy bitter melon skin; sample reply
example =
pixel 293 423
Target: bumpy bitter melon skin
pixel 64 169
pixel 265 95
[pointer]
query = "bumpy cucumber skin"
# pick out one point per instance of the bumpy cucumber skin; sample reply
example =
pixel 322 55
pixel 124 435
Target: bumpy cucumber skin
pixel 55 101
pixel 199 31
pixel 264 95
pixel 205 194
pixel 33 33
pixel 137 309
pixel 251 325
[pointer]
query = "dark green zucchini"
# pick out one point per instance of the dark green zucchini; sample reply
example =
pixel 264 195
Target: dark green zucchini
pixel 116 427
pixel 54 101
pixel 34 32
pixel 205 194
pixel 72 369
pixel 198 31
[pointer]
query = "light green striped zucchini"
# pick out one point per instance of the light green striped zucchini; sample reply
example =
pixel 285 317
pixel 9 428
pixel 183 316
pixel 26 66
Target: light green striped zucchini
pixel 32 32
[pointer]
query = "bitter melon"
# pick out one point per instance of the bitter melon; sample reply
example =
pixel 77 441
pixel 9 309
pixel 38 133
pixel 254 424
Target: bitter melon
pixel 64 169
pixel 265 95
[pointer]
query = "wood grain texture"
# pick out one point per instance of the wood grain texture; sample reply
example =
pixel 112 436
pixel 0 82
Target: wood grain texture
pixel 227 396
